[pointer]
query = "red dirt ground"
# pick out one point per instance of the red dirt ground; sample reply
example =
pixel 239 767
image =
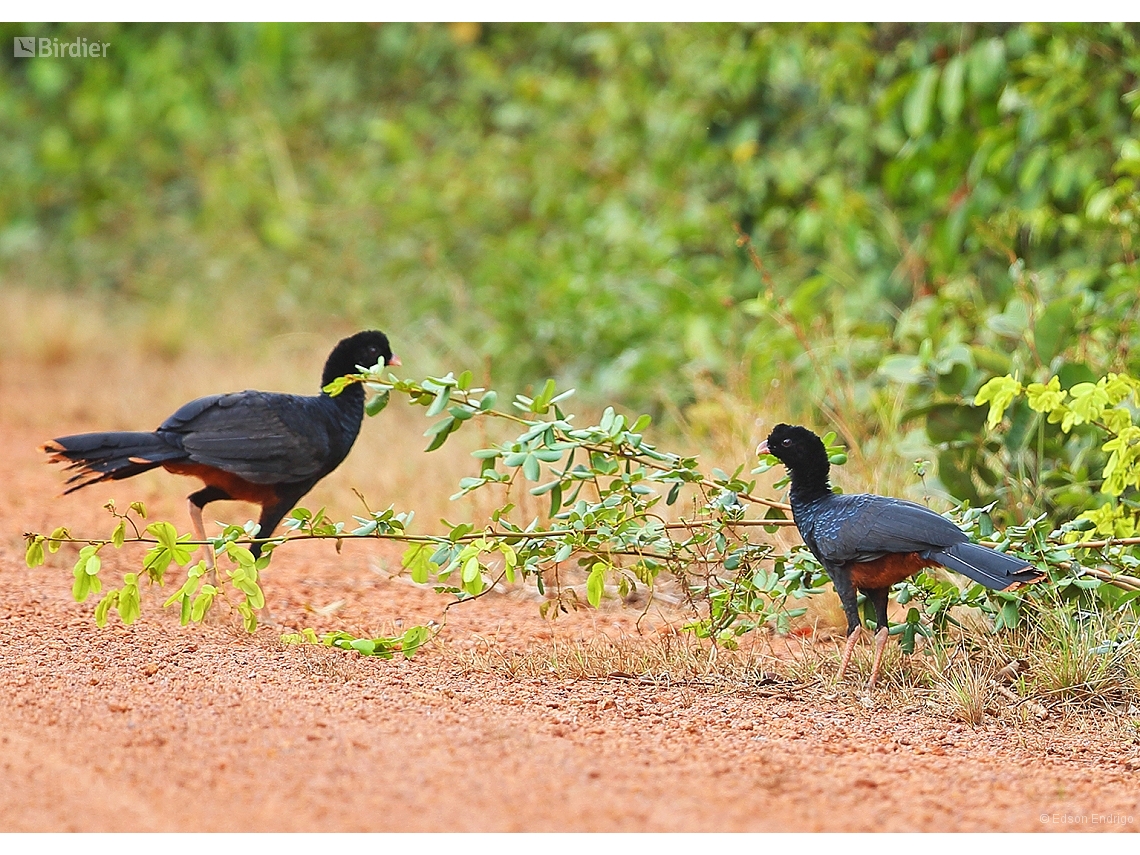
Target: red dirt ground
pixel 159 727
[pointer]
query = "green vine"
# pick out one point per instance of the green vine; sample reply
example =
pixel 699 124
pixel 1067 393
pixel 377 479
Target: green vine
pixel 621 512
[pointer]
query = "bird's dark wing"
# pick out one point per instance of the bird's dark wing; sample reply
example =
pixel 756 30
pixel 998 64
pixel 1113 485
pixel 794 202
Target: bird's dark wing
pixel 262 437
pixel 865 527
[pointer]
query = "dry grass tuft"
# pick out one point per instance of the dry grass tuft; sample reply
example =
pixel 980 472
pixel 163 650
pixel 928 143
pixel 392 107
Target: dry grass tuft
pixel 667 658
pixel 1081 658
pixel 964 690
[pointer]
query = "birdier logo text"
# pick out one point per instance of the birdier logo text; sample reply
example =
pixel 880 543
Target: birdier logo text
pixel 53 48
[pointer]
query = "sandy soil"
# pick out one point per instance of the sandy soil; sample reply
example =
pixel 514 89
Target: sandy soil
pixel 158 727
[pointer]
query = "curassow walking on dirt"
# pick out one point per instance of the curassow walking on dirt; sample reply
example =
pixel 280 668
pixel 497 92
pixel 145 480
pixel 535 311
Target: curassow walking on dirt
pixel 868 542
pixel 262 447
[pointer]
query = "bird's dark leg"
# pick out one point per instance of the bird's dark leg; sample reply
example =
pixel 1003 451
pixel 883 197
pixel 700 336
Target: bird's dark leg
pixel 197 501
pixel 271 515
pixel 850 601
pixel 878 598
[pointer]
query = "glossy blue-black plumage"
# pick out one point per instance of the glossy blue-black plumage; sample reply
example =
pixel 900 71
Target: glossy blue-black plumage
pixel 843 531
pixel 284 442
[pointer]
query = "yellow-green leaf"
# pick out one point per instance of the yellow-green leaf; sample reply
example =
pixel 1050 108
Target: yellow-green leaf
pixel 1089 401
pixel 1045 397
pixel 999 392
pixel 596 584
pixel 34 556
pixel 471 569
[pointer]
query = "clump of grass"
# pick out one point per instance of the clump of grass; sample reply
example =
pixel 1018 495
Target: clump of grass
pixel 666 658
pixel 964 689
pixel 1082 657
pixel 1060 662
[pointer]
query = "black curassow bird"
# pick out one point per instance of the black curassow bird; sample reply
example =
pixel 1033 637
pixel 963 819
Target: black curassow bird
pixel 262 447
pixel 869 542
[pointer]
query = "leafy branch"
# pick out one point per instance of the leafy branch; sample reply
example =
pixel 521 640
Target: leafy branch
pixel 610 531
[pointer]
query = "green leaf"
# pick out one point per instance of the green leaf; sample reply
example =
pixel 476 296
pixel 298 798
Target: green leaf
pixel 413 639
pixel 240 555
pixel 109 601
pixel 248 614
pixel 1008 616
pixel 56 540
pixel 1089 401
pixel 129 606
pixel 417 560
pixel 170 546
pixel 556 499
pixel 607 422
pixel 903 368
pixel 442 399
pixel 366 646
pixel 34 555
pixel 81 587
pixel 443 426
pixel 773 514
pixel 471 569
pixel 377 403
pixel 918 104
pixel 596 584
pixel 985 66
pixel 119 535
pixel 531 469
pixel 1053 331
pixel 542 403
pixel 543 489
pixel 951 94
pixel 441 430
pixel 1044 397
pixel 1100 204
pixel 999 392
pixel 202 603
pixel 338 385
pixel 474 587
pixel 460 413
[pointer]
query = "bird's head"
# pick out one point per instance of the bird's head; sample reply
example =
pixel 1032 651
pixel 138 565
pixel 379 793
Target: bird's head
pixel 796 447
pixel 364 349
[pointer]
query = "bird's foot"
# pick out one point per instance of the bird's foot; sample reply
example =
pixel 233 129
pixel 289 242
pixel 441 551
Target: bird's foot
pixel 208 551
pixel 264 618
pixel 848 650
pixel 880 646
pixel 217 614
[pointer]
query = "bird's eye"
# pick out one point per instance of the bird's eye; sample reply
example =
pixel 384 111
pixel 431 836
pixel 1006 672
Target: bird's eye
pixel 786 442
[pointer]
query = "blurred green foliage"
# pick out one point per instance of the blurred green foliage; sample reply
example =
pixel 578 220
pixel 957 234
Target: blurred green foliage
pixel 929 205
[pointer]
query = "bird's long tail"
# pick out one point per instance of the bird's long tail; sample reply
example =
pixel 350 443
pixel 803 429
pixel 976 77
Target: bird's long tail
pixel 109 456
pixel 993 569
